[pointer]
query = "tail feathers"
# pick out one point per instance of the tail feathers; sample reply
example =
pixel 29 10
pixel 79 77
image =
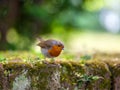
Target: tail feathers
pixel 40 39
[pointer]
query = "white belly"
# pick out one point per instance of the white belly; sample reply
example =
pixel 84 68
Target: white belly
pixel 45 53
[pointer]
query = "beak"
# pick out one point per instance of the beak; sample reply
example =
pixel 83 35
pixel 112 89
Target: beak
pixel 63 48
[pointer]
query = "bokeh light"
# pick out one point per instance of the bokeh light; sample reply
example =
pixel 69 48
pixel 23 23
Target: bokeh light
pixel 111 21
pixel 12 36
pixel 94 5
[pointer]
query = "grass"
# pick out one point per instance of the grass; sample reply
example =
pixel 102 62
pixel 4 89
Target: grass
pixel 24 56
pixel 91 41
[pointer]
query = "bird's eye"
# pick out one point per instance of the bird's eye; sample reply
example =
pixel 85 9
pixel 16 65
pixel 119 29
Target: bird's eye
pixel 59 45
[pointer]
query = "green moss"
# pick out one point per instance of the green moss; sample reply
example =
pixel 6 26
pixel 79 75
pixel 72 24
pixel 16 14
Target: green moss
pixel 39 73
pixel 101 69
pixel 70 72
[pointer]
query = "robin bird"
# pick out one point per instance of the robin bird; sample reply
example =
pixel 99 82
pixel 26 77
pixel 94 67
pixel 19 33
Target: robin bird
pixel 50 48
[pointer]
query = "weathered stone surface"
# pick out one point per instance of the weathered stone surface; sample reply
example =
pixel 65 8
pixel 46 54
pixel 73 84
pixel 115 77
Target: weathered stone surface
pixel 62 76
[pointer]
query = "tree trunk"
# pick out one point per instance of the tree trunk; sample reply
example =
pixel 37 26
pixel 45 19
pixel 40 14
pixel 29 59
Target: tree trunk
pixel 8 21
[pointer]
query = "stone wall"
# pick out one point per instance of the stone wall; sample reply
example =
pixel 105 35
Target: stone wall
pixel 59 76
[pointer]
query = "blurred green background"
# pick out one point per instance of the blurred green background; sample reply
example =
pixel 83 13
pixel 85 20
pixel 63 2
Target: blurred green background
pixel 82 25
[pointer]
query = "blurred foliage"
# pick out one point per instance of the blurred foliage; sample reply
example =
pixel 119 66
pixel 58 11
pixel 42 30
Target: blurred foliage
pixel 35 17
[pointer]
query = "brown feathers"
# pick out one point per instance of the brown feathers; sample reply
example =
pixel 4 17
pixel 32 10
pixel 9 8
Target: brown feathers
pixel 50 48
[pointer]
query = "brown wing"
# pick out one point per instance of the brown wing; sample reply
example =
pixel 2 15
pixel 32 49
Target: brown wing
pixel 40 39
pixel 41 44
pixel 46 44
pixel 49 43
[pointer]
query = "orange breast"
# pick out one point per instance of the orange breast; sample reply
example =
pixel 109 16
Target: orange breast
pixel 55 51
